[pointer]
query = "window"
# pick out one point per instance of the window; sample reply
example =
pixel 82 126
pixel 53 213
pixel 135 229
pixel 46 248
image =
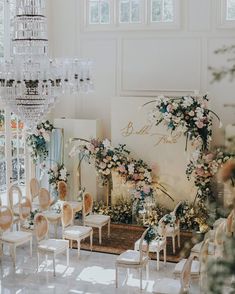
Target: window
pixel 1 27
pixel 230 10
pixel 99 12
pixel 162 10
pixel 130 11
pixel 131 14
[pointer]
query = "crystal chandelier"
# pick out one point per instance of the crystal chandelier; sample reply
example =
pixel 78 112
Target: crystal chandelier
pixel 30 82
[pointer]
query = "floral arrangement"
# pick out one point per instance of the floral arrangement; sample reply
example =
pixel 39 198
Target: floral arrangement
pixel 107 158
pixel 57 207
pixel 29 223
pixel 169 219
pixel 37 142
pixel 203 167
pixel 57 173
pixel 193 217
pixel 121 212
pixel 190 114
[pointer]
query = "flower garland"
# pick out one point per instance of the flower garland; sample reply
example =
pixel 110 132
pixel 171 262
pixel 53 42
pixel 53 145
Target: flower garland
pixel 203 167
pixel 189 113
pixel 37 142
pixel 56 174
pixel 106 159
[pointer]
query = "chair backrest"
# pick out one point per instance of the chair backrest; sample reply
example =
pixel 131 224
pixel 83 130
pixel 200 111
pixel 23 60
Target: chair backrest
pixel 87 204
pixel 230 223
pixel 44 199
pixel 161 228
pixel 25 208
pixel 220 233
pixel 6 218
pixel 14 201
pixel 62 189
pixel 67 215
pixel 176 207
pixel 203 262
pixel 34 188
pixel 41 226
pixel 185 277
pixel 143 249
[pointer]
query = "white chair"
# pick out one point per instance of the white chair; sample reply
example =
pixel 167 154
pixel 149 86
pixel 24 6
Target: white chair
pixel 134 259
pixel 14 198
pixel 62 188
pixel 34 192
pixel 45 246
pixel 157 245
pixel 71 232
pixel 13 239
pixel 94 220
pixel 45 203
pixel 173 230
pixel 173 286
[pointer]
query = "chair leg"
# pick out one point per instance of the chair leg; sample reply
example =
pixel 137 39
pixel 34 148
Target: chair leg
pixel 147 271
pixel 173 243
pixel 100 240
pixel 164 251
pixel 116 277
pixel 13 254
pixel 178 238
pixel 109 228
pixel 158 260
pixel 140 278
pixel 79 246
pixel 54 264
pixel 37 261
pixel 31 246
pixel 55 226
pixel 67 255
pixel 91 240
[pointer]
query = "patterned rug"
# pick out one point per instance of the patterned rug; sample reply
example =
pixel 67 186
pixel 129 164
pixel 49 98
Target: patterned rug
pixel 123 237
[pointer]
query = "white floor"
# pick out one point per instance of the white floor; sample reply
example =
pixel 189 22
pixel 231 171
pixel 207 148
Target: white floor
pixel 91 273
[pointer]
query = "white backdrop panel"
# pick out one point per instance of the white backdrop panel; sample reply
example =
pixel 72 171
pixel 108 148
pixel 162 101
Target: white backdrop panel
pixel 165 154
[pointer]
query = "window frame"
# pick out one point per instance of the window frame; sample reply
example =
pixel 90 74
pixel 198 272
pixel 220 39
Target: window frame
pixel 115 25
pixel 223 23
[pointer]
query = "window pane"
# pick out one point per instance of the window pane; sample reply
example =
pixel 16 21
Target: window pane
pixel 124 11
pixel 3 175
pixel 230 10
pixel 94 12
pixel 162 10
pixel 156 10
pixel 2 147
pixel 22 170
pixel 104 12
pixel 1 27
pixel 135 11
pixel 168 10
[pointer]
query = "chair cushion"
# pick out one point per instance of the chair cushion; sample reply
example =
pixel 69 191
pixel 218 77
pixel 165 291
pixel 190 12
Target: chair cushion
pixel 15 237
pixel 195 268
pixel 130 257
pixel 53 245
pixel 166 286
pixel 97 219
pixel 197 248
pixel 51 215
pixel 154 245
pixel 76 232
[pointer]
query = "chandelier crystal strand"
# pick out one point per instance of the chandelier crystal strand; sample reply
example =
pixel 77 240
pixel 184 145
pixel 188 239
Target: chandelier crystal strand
pixel 31 82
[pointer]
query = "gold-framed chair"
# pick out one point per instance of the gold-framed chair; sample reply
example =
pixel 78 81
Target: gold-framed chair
pixel 62 189
pixel 45 203
pixel 13 239
pixel 157 245
pixel 176 286
pixel 45 246
pixel 34 192
pixel 14 203
pixel 134 259
pixel 71 232
pixel 94 220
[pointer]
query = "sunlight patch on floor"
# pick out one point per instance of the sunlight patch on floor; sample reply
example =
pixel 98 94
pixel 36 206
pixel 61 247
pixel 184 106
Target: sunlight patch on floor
pixel 97 275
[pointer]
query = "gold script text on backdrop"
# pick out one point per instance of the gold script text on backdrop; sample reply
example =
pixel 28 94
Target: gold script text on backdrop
pixel 147 130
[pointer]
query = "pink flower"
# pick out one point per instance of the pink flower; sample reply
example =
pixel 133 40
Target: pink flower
pixel 122 169
pixel 209 157
pixel 137 195
pixel 146 189
pixel 200 172
pixel 199 124
pixel 169 108
pixel 135 177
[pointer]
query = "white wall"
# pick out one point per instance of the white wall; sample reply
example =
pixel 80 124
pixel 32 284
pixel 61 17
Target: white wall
pixel 143 63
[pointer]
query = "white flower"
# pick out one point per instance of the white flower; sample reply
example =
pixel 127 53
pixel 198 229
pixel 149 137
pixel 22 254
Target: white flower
pixel 46 136
pixel 63 174
pixel 73 152
pixel 131 168
pixel 115 158
pixel 106 143
pixel 187 101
